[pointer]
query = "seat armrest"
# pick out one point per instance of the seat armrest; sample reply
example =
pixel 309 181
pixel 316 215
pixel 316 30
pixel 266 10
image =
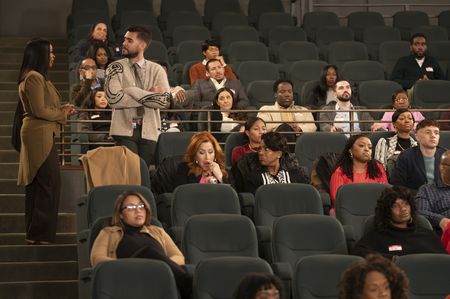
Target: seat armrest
pixel 247 201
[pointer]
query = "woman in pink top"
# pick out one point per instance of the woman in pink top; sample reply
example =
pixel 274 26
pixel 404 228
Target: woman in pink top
pixel 356 165
pixel 399 101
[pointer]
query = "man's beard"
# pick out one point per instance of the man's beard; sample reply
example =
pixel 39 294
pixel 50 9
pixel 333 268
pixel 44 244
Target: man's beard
pixel 130 54
pixel 342 99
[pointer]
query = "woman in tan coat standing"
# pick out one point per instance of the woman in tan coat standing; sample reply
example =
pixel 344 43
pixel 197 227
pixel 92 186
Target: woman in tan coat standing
pixel 39 165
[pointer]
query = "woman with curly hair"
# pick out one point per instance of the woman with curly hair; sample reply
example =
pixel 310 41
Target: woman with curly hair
pixel 373 278
pixel 204 162
pixel 355 165
pixel 259 286
pixel 395 228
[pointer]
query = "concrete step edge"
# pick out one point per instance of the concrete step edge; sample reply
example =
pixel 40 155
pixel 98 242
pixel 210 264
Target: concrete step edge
pixel 37 262
pixel 36 281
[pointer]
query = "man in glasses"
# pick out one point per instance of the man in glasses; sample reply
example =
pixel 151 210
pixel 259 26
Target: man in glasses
pixel 88 82
pixel 433 200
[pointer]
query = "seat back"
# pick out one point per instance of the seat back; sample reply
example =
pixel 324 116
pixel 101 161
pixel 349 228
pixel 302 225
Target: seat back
pixel 354 203
pixel 389 52
pixel 359 71
pixel 215 7
pixel 270 20
pixel 246 51
pixel 341 52
pixel 331 34
pixel 225 19
pixel 190 32
pixel 233 140
pixel 217 235
pixel 231 34
pixel 303 71
pixel 318 276
pixel 420 221
pixel 171 144
pixel 195 199
pixel 297 236
pixel 112 280
pixel 374 36
pixel 250 71
pixel 444 20
pixel 101 200
pixel 441 51
pixel 219 277
pixel 427 274
pixel 444 139
pixel 260 93
pixel 292 51
pixel 406 20
pixel 377 94
pixel 181 18
pixel 282 34
pixel 169 6
pixel 189 50
pixel 360 20
pixel 157 51
pixel 314 20
pixel 276 200
pixel 311 146
pixel 433 33
pixel 257 7
pixel 431 93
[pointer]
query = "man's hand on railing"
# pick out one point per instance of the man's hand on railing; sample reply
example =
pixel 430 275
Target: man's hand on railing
pixel 180 96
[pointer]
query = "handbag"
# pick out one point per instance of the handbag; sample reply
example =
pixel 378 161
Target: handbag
pixel 17 126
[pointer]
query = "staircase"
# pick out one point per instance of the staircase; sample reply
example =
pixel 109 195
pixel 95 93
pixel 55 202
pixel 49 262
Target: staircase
pixel 30 271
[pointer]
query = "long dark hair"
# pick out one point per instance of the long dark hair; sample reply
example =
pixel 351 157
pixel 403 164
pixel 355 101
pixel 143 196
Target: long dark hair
pixel 252 283
pixel 322 88
pixel 345 161
pixel 36 57
pixel 92 52
pixel 383 214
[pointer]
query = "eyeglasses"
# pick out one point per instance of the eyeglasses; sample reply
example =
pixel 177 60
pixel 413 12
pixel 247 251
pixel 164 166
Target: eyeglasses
pixel 89 67
pixel 132 208
pixel 401 100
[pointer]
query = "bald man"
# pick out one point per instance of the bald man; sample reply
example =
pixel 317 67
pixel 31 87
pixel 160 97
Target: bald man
pixel 433 200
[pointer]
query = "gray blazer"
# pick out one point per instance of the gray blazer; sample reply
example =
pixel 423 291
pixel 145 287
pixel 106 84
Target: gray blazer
pixel 206 91
pixel 329 117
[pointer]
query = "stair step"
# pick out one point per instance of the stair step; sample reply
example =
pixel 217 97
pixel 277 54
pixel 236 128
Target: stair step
pixel 54 76
pixel 9 186
pixel 8 155
pixel 6 117
pixel 57 66
pixel 12 203
pixel 17 57
pixel 9 170
pixel 67 289
pixel 13 96
pixel 13 85
pixel 18 49
pixel 22 41
pixel 19 238
pixel 36 271
pixel 15 223
pixel 29 253
pixel 5 130
pixel 5 141
pixel 8 106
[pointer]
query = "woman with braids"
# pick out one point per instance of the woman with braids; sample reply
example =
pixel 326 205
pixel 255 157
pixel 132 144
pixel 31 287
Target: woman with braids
pixel 355 165
pixel 395 229
pixel 373 278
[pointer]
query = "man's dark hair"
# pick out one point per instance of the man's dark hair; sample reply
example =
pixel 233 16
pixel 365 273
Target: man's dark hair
pixel 210 61
pixel 427 123
pixel 383 214
pixel 143 33
pixel 36 57
pixel 411 40
pixel 210 43
pixel 279 81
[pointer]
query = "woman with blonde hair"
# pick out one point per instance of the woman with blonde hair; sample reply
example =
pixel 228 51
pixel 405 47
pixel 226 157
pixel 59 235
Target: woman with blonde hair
pixel 204 162
pixel 131 235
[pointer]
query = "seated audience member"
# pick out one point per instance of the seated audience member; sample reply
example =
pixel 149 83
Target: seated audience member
pixel 99 101
pixel 395 230
pixel 254 128
pixel 211 50
pixel 102 57
pixel 400 101
pixel 375 277
pixel 259 286
pixel 98 34
pixel 388 149
pixel 206 89
pixel 230 121
pixel 355 165
pixel 416 66
pixel 324 93
pixel 81 93
pixel 204 162
pixel 419 165
pixel 433 200
pixel 273 164
pixel 335 121
pixel 294 121
pixel 132 236
pixel 445 126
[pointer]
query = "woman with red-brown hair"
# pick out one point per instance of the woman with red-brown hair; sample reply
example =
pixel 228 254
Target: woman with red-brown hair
pixel 204 162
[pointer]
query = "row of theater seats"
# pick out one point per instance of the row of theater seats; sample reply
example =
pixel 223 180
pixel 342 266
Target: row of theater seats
pixel 288 225
pixel 314 277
